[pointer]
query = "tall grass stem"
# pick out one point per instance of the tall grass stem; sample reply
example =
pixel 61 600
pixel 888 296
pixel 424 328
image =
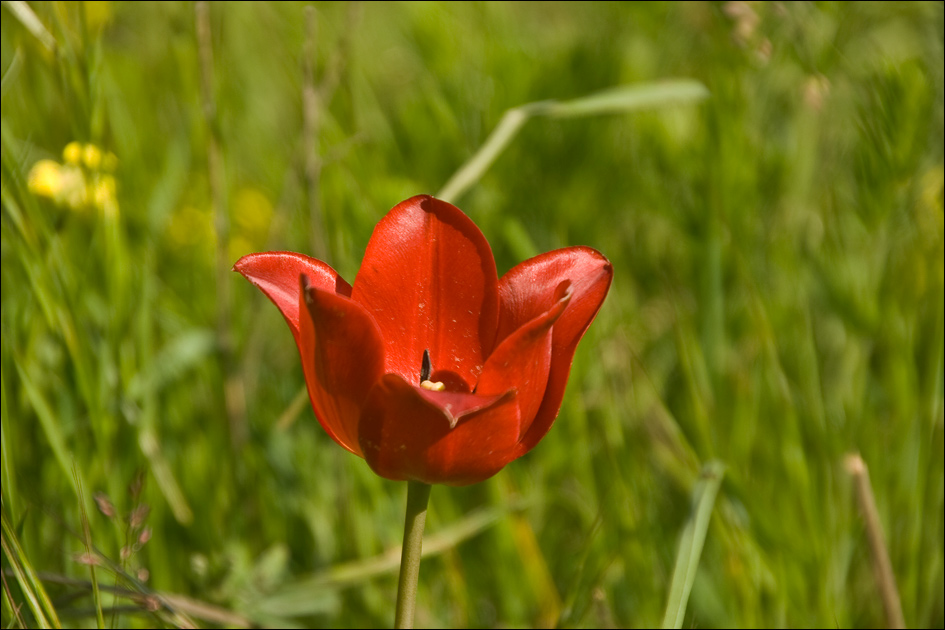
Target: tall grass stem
pixel 233 386
pixel 882 566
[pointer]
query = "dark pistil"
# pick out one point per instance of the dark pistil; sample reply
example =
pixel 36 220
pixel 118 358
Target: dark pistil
pixel 425 367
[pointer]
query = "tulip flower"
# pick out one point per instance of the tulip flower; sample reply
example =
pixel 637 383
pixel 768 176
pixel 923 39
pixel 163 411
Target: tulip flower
pixel 430 367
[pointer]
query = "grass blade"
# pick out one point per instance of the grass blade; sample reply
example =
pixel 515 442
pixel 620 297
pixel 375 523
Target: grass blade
pixel 690 543
pixel 317 592
pixel 47 421
pixel 623 98
pixel 43 611
pixel 31 22
pixel 474 168
pixel 87 539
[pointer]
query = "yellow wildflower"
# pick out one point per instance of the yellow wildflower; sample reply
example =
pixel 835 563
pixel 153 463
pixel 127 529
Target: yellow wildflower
pixel 82 181
pixel 45 179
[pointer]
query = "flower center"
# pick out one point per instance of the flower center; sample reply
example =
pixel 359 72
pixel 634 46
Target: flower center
pixel 426 367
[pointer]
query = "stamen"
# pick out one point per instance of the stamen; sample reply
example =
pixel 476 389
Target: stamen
pixel 425 368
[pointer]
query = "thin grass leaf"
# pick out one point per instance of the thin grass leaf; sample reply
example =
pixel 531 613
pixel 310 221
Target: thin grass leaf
pixel 625 98
pixel 12 72
pixel 297 406
pixel 47 420
pixel 184 353
pixel 14 185
pixel 518 239
pixel 31 22
pixel 8 465
pixel 474 168
pixel 40 605
pixel 350 573
pixel 691 542
pixel 164 475
pixel 10 604
pixel 318 593
pixel 87 539
pixel 619 99
pixel 146 600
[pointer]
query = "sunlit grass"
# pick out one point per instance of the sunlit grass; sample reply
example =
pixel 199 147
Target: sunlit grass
pixel 777 305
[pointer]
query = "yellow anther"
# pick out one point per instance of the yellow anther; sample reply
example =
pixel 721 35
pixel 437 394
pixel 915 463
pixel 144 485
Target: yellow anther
pixel 433 387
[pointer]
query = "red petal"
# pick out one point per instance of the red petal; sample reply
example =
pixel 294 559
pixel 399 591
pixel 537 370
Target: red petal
pixel 523 361
pixel 342 357
pixel 405 433
pixel 428 278
pixel 530 289
pixel 277 275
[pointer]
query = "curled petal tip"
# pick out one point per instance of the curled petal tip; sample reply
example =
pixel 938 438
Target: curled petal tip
pixel 564 290
pixel 306 285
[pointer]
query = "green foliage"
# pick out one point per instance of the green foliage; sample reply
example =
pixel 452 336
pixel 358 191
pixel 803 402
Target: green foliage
pixel 777 304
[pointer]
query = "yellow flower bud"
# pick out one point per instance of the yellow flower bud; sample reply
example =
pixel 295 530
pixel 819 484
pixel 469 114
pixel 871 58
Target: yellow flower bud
pixel 91 157
pixel 45 179
pixel 72 154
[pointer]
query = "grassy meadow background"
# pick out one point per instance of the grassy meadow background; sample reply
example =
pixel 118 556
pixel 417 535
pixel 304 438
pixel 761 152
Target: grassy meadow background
pixel 774 217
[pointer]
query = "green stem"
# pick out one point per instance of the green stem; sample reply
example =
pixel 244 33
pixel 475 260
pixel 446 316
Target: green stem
pixel 418 495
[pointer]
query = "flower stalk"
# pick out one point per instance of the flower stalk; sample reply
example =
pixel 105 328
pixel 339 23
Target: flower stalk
pixel 418 495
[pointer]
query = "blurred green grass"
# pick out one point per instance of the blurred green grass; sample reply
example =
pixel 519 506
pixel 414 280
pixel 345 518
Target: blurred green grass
pixel 777 304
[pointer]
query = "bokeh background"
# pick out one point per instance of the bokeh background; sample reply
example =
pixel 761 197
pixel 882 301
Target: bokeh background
pixel 775 222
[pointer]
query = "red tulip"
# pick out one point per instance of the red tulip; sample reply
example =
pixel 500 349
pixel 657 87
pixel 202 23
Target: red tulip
pixel 430 367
